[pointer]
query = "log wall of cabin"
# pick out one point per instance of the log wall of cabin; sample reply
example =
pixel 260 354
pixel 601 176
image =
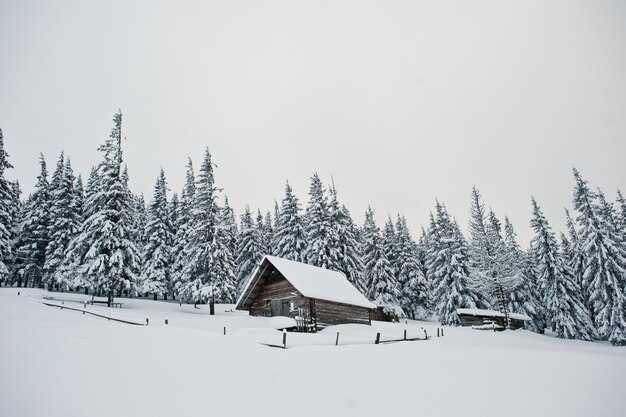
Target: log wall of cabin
pixel 277 289
pixel 328 313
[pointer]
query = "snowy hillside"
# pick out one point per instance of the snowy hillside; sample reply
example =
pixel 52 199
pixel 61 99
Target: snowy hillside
pixel 57 362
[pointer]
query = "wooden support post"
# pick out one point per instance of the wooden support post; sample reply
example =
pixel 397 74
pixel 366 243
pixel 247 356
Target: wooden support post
pixel 404 334
pixel 284 339
pixel 337 339
pixel 377 341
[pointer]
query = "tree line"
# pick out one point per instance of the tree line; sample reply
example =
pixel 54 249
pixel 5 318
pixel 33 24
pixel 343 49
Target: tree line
pixel 100 236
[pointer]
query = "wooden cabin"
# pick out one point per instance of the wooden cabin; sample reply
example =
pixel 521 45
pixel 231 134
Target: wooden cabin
pixel 315 297
pixel 479 318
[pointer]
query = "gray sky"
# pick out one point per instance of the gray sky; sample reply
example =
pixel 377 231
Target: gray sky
pixel 401 101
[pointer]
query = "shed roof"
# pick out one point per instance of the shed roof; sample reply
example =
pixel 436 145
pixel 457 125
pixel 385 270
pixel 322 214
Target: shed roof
pixel 311 281
pixel 491 313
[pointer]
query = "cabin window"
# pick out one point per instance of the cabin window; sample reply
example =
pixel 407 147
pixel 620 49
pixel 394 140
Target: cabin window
pixel 268 302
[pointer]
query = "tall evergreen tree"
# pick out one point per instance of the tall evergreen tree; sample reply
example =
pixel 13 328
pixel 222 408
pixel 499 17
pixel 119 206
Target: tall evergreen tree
pixel 345 249
pixel 104 251
pixel 567 316
pixel 288 240
pixel 415 292
pixel 35 234
pixel 525 297
pixel 382 287
pixel 7 212
pixel 605 262
pixel 64 223
pixel 317 229
pixel 156 257
pixel 209 267
pixel 448 267
pixel 249 249
pixel 182 227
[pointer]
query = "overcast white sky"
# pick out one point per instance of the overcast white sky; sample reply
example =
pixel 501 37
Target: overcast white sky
pixel 401 101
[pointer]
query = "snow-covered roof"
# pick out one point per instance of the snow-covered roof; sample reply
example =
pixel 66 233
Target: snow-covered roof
pixel 491 313
pixel 313 282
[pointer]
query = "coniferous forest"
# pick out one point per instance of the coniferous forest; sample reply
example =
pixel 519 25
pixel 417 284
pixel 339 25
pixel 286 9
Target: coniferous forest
pixel 99 237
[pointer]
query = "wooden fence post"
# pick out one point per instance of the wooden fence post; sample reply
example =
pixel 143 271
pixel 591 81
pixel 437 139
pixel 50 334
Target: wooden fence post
pixel 224 330
pixel 377 341
pixel 166 321
pixel 404 334
pixel 284 338
pixel 425 334
pixel 437 331
pixel 147 321
pixel 337 339
pixel 442 332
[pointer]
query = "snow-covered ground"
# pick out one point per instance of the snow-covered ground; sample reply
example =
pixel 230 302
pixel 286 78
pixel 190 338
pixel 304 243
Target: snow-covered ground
pixel 57 362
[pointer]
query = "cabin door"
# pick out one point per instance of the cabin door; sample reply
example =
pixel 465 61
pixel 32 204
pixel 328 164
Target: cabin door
pixel 280 308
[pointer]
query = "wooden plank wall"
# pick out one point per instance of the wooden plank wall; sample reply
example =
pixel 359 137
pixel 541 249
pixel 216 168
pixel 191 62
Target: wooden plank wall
pixel 279 289
pixel 329 313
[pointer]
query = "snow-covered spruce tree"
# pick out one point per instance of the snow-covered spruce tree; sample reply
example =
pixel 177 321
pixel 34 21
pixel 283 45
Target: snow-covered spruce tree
pixel 7 212
pixel 15 231
pixel 260 227
pixel 382 287
pixel 288 240
pixel 573 252
pixel 389 243
pixel 317 230
pixel 249 250
pixel 268 232
pixel 525 297
pixel 104 250
pixel 415 292
pixel 448 267
pixel 64 225
pixel 345 249
pixel 621 211
pixel 230 226
pixel 567 315
pixel 209 266
pixel 35 234
pixel 156 259
pixel 492 274
pixel 605 262
pixel 182 228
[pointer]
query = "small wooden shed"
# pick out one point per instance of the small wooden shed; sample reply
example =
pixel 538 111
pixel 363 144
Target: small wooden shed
pixel 315 297
pixel 478 318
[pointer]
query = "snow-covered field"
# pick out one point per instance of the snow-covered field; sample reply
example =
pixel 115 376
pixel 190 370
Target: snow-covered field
pixel 57 362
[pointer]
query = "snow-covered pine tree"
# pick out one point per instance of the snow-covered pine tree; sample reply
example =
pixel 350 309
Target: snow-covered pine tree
pixel 156 259
pixel 389 243
pixel 289 241
pixel 448 267
pixel 209 266
pixel 173 209
pixel 104 250
pixel 525 297
pixel 183 226
pixel 230 226
pixel 491 273
pixel 345 250
pixel 15 231
pixel 249 250
pixel 621 211
pixel 317 230
pixel 605 262
pixel 64 224
pixel 268 232
pixel 567 315
pixel 7 212
pixel 260 227
pixel 382 286
pixel 35 234
pixel 415 292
